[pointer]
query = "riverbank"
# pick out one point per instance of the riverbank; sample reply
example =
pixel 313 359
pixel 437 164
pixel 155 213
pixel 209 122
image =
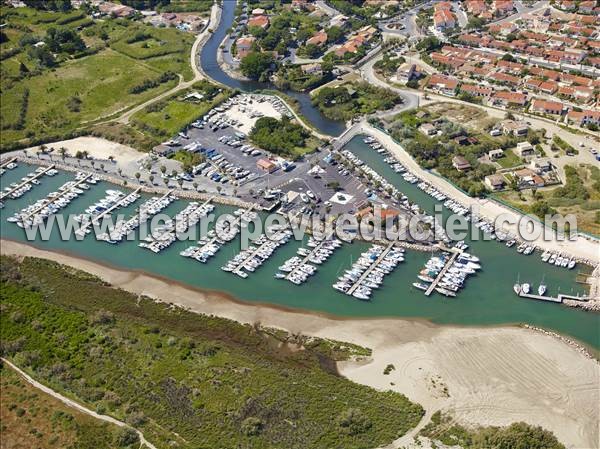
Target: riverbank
pixel 487 376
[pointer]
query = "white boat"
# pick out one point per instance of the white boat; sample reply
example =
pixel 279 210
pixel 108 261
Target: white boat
pixel 542 289
pixel 526 288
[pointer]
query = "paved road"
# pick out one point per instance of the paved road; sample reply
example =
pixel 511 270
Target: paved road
pixel 71 403
pixel 328 9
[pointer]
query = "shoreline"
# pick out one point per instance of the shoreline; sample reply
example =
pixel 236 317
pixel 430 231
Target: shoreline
pixel 483 375
pixel 22 249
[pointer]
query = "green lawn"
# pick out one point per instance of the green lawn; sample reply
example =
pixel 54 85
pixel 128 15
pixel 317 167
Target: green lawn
pixel 509 160
pixel 199 381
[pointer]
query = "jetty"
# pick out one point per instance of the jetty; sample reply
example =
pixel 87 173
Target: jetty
pixel 366 273
pixel 28 181
pixel 6 162
pixel 100 216
pixel 306 259
pixel 558 299
pixel 56 197
pixel 455 253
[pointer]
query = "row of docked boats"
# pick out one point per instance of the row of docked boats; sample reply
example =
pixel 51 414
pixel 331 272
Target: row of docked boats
pixel 146 211
pixel 299 268
pixel 452 277
pixel 9 166
pixel 37 212
pixel 165 235
pixel 248 260
pixel 558 260
pixel 224 232
pixel 526 288
pixel 17 189
pixel 367 273
pixel 525 249
pixel 398 197
pixel 113 199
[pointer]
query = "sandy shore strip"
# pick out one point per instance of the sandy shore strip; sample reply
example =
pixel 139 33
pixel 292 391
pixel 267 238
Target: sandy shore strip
pixel 487 376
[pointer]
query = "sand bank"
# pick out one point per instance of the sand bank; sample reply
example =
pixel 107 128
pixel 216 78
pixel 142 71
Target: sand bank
pixel 488 376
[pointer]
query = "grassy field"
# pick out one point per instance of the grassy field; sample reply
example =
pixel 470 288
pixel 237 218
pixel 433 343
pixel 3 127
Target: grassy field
pixel 166 118
pixel 33 419
pixel 185 379
pixel 583 200
pixel 68 98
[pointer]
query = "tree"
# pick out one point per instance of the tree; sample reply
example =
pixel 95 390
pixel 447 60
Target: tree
pixel 180 182
pixel 102 167
pixel 151 178
pixel 195 184
pixel 62 151
pixel 137 175
pixel 126 437
pixel 163 169
pixel 255 64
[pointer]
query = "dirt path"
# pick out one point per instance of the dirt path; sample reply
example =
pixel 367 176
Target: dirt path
pixel 71 403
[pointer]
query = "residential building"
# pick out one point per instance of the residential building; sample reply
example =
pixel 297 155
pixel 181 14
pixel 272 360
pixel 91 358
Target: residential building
pixel 541 165
pixel 244 45
pixel 460 163
pixel 406 72
pixel 547 107
pixel 506 98
pixel 443 84
pixel 524 149
pixel 583 118
pixel 528 178
pixel 494 182
pixel 259 21
pixel 428 129
pixel 319 38
pixel 312 69
pixel 516 128
pixel 496 154
pixel 443 20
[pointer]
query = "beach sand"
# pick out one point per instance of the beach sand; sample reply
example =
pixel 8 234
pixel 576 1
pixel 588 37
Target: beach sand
pixel 97 148
pixel 487 376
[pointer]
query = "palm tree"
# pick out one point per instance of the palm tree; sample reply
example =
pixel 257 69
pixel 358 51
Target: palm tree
pixel 137 176
pixel 151 178
pixel 219 188
pixel 195 184
pixel 235 192
pixel 180 182
pixel 163 169
pixel 102 167
pixel 92 163
pixel 63 152
pixel 120 171
pixel 111 158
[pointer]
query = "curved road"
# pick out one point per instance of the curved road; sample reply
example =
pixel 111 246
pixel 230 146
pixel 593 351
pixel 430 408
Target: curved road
pixel 71 403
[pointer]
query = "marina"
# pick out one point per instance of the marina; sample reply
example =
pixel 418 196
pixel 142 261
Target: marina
pixel 367 273
pixel 113 200
pixel 164 236
pixel 260 251
pixel 501 264
pixel 16 190
pixel 300 267
pixel 215 239
pixel 146 211
pixel 40 210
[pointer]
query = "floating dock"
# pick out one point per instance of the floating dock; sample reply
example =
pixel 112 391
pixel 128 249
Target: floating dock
pixel 557 299
pixel 455 253
pixel 8 161
pixel 368 270
pixel 36 176
pixel 99 217
pixel 310 254
pixel 56 197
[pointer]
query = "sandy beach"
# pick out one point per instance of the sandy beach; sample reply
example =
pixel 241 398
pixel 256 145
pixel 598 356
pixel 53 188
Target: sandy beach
pixel 97 148
pixel 487 376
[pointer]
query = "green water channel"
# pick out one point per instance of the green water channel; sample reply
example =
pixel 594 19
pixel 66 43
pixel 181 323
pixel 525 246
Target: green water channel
pixel 487 299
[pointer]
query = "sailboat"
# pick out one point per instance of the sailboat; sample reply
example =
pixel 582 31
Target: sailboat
pixel 517 286
pixel 542 288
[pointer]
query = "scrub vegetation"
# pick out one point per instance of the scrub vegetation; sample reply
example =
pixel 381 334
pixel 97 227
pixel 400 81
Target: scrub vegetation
pixel 187 380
